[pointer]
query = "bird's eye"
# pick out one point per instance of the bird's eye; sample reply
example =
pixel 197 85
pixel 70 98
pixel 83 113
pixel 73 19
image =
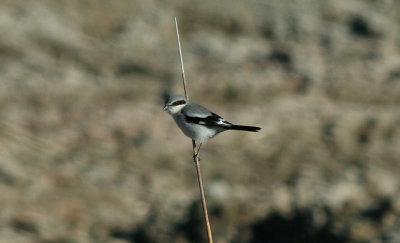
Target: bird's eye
pixel 179 102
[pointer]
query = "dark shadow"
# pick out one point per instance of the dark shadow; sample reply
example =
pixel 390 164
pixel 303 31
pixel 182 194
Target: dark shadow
pixel 360 27
pixel 297 228
pixel 377 213
pixel 134 235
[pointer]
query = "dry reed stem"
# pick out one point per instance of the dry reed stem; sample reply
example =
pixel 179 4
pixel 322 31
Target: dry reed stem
pixel 196 161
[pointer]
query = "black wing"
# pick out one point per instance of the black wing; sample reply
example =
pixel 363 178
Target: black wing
pixel 212 120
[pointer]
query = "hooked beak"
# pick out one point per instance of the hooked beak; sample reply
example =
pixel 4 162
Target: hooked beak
pixel 165 107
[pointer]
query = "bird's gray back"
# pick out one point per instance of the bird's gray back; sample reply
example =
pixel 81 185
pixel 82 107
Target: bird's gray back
pixel 196 110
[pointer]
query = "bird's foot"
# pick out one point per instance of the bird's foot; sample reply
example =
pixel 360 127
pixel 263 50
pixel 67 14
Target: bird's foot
pixel 196 156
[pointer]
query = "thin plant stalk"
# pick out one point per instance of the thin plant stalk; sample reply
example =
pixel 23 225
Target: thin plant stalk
pixel 196 161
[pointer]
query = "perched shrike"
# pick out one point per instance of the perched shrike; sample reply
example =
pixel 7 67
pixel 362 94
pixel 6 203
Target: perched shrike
pixel 197 122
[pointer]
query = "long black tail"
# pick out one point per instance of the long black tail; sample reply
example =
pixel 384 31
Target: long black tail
pixel 245 128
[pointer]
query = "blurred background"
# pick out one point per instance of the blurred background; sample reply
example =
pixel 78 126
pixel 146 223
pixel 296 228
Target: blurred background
pixel 88 155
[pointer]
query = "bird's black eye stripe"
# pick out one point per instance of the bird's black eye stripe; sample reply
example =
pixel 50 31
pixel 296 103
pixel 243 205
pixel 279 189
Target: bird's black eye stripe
pixel 179 102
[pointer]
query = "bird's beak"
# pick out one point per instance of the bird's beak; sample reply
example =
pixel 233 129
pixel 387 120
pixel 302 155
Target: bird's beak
pixel 165 107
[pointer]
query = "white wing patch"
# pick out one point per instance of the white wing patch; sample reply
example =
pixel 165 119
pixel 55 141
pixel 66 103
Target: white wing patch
pixel 222 122
pixel 202 123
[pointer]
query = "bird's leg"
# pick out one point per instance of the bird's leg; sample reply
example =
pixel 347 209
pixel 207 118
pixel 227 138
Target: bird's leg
pixel 197 155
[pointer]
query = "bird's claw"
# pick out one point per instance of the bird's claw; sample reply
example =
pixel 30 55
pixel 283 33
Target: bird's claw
pixel 196 156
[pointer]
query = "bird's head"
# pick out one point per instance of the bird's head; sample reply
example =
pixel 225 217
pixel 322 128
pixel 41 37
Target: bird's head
pixel 174 103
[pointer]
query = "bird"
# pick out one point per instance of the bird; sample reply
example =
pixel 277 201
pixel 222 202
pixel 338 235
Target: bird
pixel 197 122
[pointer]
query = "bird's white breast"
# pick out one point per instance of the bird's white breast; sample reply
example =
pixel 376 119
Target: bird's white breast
pixel 197 132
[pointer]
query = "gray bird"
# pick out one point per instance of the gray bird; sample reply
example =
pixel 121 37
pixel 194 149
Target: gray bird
pixel 197 122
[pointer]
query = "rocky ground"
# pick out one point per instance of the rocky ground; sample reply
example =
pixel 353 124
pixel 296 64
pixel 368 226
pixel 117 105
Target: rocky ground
pixel 87 155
